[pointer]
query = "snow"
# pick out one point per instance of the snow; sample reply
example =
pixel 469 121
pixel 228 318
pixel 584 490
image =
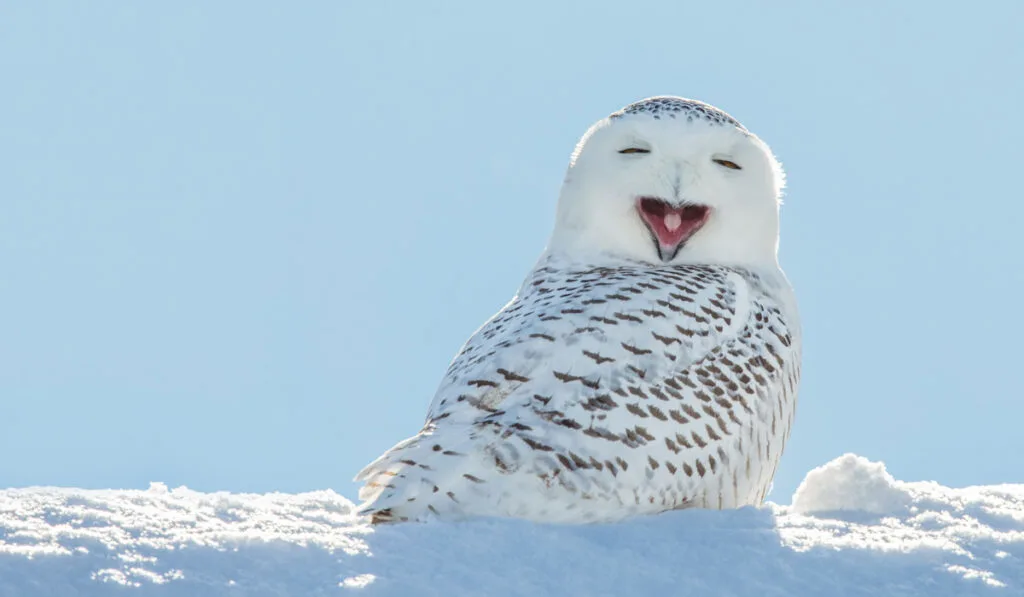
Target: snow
pixel 852 483
pixel 852 530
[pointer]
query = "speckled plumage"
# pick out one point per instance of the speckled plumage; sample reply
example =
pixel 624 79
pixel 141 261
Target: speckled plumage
pixel 618 383
pixel 674 107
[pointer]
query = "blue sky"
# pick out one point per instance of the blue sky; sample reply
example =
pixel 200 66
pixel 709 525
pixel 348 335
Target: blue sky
pixel 240 242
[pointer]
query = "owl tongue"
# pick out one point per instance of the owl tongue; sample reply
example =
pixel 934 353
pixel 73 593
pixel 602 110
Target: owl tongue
pixel 671 225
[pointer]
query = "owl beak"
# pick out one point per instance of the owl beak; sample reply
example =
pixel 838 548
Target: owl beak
pixel 671 225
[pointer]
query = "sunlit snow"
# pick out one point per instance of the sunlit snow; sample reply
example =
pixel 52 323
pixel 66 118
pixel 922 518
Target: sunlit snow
pixel 852 530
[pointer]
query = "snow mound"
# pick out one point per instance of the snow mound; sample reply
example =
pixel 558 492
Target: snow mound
pixel 932 540
pixel 851 482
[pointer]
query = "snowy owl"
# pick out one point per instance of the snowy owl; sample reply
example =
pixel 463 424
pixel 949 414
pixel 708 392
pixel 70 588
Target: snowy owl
pixel 649 362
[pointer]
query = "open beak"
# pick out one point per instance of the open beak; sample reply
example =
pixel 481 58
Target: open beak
pixel 671 225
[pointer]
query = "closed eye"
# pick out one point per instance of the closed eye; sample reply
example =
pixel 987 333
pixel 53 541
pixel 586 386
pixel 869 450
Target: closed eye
pixel 728 164
pixel 634 150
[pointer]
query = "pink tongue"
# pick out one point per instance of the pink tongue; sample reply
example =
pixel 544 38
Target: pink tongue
pixel 668 226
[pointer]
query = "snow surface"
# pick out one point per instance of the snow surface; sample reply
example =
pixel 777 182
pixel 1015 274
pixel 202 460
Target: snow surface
pixel 852 530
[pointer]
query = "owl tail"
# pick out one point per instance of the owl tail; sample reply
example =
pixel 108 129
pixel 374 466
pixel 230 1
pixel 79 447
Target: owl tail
pixel 420 479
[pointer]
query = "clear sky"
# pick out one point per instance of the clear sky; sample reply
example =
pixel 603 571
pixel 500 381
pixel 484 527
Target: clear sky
pixel 240 242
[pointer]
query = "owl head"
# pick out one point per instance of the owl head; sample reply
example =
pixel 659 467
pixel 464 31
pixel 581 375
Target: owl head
pixel 670 180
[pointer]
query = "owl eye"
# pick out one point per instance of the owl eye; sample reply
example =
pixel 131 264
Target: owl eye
pixel 634 150
pixel 728 164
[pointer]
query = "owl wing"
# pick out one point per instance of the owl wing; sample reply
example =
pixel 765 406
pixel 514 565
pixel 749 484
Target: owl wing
pixel 602 379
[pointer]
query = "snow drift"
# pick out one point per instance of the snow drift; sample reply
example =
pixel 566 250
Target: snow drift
pixel 852 530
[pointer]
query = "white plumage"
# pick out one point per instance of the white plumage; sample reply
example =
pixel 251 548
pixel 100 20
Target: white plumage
pixel 649 362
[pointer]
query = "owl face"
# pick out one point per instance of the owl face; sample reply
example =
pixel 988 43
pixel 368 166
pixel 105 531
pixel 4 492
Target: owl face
pixel 664 186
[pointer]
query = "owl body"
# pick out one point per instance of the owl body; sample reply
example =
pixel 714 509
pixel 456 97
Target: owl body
pixel 649 362
pixel 603 392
